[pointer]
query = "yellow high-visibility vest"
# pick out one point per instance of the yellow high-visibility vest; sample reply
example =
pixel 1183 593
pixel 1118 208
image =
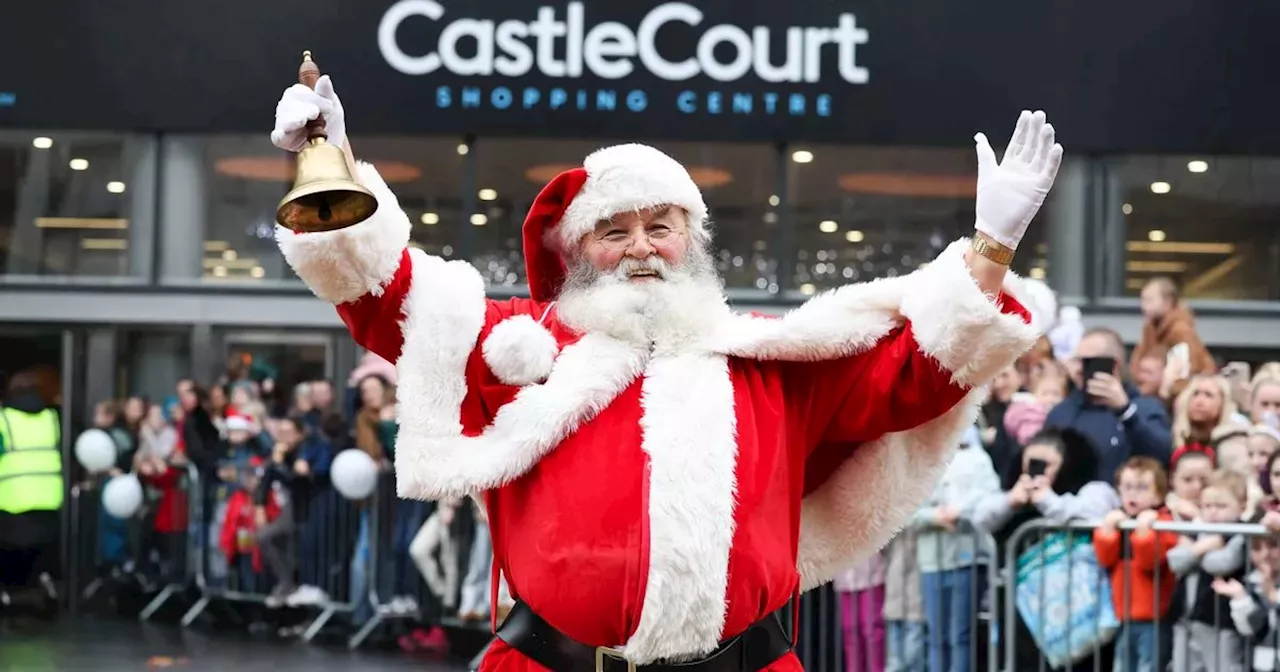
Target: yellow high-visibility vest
pixel 30 461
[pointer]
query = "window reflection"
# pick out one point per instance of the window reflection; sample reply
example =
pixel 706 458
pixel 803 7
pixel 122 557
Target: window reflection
pixel 1207 222
pixel 862 213
pixel 246 177
pixel 71 204
pixel 736 181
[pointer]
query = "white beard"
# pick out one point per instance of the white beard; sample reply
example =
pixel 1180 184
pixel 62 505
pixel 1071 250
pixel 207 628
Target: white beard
pixel 669 313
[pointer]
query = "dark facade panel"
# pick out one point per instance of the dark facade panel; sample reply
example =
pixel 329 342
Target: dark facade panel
pixel 1137 76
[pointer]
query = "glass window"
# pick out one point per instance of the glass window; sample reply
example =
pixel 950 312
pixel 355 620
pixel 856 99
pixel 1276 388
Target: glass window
pixel 75 205
pixel 861 213
pixel 737 181
pixel 1209 223
pixel 221 194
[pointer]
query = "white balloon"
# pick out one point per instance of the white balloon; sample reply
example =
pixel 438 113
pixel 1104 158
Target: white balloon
pixel 354 474
pixel 122 496
pixel 96 450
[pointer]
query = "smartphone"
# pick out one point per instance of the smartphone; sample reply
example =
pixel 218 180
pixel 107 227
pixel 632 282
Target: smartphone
pixel 1036 467
pixel 1092 366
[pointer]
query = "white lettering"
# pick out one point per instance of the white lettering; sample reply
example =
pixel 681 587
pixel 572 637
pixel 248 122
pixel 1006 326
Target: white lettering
pixel 517 57
pixel 648 32
pixel 610 49
pixel 482 33
pixel 741 62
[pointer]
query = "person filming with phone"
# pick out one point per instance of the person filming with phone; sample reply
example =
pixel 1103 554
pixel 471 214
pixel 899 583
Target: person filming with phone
pixel 1119 421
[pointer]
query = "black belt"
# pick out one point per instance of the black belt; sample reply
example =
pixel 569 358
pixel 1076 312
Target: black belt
pixel 755 649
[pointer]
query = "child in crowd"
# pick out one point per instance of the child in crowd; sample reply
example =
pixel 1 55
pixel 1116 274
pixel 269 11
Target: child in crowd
pixel 1263 442
pixel 1191 466
pixel 951 556
pixel 1231 445
pixel 1027 411
pixel 861 591
pixel 904 624
pixel 1142 584
pixel 1253 603
pixel 1205 639
pixel 239 529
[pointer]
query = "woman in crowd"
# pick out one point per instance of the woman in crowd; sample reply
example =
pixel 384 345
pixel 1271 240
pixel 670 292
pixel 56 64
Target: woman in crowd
pixel 1204 405
pixel 1055 480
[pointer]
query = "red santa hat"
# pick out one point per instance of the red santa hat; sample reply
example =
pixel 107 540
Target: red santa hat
pixel 611 180
pixel 237 421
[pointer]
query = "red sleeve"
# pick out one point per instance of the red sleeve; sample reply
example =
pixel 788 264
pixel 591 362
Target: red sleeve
pixel 1106 544
pixel 893 387
pixel 374 319
pixel 1150 548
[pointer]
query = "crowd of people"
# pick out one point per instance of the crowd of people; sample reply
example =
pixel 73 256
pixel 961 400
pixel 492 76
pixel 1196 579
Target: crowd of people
pixel 1078 431
pixel 269 525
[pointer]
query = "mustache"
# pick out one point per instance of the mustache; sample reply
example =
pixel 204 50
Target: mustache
pixel 630 266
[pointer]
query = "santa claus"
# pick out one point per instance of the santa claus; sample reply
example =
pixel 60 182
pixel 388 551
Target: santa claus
pixel 661 473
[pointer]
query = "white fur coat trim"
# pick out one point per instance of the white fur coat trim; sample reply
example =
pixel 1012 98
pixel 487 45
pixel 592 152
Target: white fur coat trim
pixel 624 178
pixel 344 265
pixel 520 351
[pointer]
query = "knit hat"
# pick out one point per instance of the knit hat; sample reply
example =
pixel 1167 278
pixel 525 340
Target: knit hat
pixel 611 181
pixel 238 422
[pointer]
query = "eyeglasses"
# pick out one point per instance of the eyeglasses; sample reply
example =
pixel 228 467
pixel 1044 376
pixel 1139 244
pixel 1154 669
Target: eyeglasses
pixel 617 240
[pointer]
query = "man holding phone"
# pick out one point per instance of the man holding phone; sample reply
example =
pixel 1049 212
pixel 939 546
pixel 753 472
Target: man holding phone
pixel 1118 420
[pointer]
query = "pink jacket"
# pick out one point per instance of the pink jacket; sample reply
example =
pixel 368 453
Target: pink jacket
pixel 866 574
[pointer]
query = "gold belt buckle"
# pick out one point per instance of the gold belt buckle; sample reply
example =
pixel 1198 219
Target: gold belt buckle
pixel 604 653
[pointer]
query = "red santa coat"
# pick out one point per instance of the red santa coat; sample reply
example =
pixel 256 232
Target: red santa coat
pixel 661 500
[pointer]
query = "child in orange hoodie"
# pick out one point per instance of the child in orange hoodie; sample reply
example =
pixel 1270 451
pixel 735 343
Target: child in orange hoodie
pixel 1135 579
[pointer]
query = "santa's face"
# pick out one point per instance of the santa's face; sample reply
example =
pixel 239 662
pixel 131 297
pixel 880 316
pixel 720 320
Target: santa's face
pixel 627 242
pixel 643 277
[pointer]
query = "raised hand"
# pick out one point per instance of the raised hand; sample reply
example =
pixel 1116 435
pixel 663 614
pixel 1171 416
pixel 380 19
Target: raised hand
pixel 299 105
pixel 1011 192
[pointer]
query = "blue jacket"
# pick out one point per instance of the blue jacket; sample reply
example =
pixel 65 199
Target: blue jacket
pixel 1117 436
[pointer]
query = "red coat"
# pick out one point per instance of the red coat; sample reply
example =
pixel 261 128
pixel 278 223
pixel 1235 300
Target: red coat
pixel 663 499
pixel 1149 550
pixel 241 517
pixel 171 510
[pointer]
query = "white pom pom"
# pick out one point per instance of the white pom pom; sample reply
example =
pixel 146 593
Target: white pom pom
pixel 520 351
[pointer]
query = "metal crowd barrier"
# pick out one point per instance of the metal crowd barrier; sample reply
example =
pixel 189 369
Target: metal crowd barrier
pixel 1079 624
pixel 886 624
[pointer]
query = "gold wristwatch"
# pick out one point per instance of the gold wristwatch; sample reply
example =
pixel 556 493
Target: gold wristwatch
pixel 993 251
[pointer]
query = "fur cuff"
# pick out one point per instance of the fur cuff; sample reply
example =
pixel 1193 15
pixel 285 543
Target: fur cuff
pixel 958 326
pixel 342 266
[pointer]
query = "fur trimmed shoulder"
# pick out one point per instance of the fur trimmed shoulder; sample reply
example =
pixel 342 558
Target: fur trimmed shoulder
pixel 873 494
pixel 961 328
pixel 344 265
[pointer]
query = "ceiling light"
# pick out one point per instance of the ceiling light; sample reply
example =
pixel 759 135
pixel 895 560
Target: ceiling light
pixel 807 288
pixel 774 200
pixel 1127 208
pixel 488 195
pixel 79 164
pixel 42 143
pixel 828 226
pixel 463 149
pixel 854 236
pixel 479 219
pixel 1156 236
pixel 229 255
pixel 257 272
pixel 1037 273
pixel 220 271
pixel 802 156
pixel 1160 187
pixel 430 218
pixel 1198 166
pixel 115 187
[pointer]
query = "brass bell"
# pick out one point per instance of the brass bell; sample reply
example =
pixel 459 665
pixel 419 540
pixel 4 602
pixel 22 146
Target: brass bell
pixel 325 197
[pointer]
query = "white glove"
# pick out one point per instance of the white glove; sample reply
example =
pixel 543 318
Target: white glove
pixel 1011 192
pixel 299 105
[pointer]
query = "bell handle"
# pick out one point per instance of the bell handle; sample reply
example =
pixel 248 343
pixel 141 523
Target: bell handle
pixel 308 75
